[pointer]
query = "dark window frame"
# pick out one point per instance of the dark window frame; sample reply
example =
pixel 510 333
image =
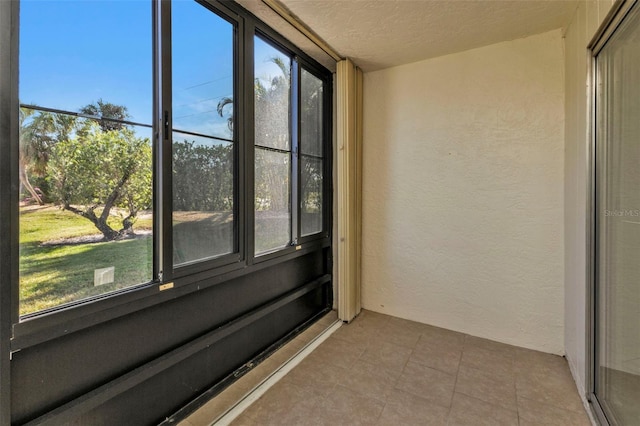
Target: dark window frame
pixel 257 257
pixel 327 153
pixel 299 61
pixel 237 257
pixel 47 325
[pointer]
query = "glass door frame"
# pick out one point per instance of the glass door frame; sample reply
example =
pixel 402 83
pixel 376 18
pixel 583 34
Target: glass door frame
pixel 595 152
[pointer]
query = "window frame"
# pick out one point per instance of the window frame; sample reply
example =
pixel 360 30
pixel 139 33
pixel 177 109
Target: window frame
pixel 327 153
pixel 49 324
pixel 269 40
pixel 171 272
pixel 298 62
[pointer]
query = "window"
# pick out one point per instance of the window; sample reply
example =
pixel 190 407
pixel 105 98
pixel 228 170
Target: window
pixel 311 153
pixel 85 150
pixel 204 222
pixel 272 148
pixel 141 154
pixel 290 141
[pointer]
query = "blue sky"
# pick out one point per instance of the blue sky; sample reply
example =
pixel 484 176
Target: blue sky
pixel 73 53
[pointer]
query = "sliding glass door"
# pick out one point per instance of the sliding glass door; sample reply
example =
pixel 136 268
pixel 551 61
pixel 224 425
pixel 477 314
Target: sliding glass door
pixel 617 295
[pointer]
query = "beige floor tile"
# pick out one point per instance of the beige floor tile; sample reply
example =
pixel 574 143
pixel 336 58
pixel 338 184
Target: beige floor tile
pixel 386 355
pixel 390 371
pixel 397 334
pixel 557 388
pixel 466 411
pixel 371 319
pixel 408 410
pixel 337 352
pixel 370 380
pixel 355 333
pixel 284 403
pixel 317 378
pixel 441 356
pixel 528 362
pixel 500 366
pixel 345 407
pixel 424 382
pixel 536 413
pixel 407 324
pixel 481 385
pixel 441 336
pixel 490 345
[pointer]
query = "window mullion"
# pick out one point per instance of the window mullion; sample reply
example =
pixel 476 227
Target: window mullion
pixel 163 177
pixel 295 151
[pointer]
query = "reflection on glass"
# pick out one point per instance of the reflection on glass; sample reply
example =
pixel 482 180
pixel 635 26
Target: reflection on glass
pixel 203 149
pixel 311 200
pixel 272 153
pixel 618 296
pixel 202 198
pixel 311 114
pixel 272 91
pixel 85 184
pixel 202 70
pixel 311 135
pixel 273 207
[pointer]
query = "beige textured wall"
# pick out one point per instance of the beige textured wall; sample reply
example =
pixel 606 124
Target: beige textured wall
pixel 588 17
pixel 463 192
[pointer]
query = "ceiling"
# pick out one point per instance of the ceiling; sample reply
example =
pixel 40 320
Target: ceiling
pixel 378 34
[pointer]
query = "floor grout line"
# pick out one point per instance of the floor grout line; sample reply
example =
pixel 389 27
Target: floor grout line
pixel 238 408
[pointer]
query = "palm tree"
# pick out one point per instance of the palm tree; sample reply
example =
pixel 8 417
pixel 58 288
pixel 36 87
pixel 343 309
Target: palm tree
pixel 26 154
pixel 38 134
pixel 220 108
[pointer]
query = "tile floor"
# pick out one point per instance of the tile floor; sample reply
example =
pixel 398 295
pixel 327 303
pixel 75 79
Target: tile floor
pixel 381 370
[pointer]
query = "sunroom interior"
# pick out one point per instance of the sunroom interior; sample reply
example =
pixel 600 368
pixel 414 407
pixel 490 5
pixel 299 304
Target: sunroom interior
pixel 195 191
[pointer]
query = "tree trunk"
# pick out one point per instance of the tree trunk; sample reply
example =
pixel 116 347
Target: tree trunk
pixel 24 181
pixel 108 232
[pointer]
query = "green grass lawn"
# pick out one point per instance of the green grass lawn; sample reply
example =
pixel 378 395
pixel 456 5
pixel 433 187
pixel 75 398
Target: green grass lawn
pixel 55 270
pixel 51 275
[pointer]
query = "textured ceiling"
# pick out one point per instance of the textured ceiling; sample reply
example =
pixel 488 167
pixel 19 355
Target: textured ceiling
pixel 378 34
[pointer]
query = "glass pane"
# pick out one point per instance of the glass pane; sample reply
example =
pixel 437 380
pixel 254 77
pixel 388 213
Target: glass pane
pixel 202 198
pixel 85 185
pixel 203 167
pixel 273 207
pixel 618 296
pixel 272 96
pixel 311 114
pixel 202 70
pixel 311 200
pixel 71 57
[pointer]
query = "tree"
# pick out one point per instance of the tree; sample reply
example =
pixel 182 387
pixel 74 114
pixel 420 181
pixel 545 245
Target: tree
pixel 38 134
pixel 311 141
pixel 26 155
pixel 271 130
pixel 202 176
pixel 104 110
pixel 222 105
pixel 96 171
